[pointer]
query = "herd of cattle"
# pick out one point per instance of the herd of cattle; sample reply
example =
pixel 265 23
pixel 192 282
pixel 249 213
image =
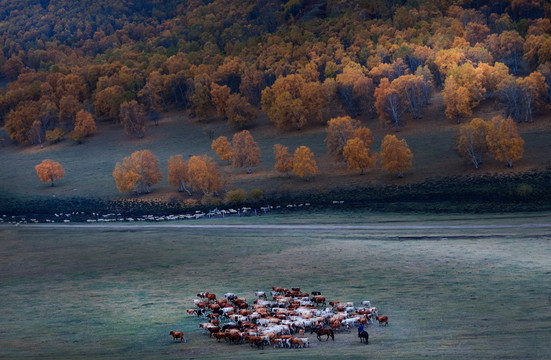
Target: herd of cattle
pixel 282 321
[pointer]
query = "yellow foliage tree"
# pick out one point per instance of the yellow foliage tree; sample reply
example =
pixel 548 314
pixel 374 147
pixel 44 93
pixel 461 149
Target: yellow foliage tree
pixel 138 172
pixel 503 140
pixel 84 123
pixel 304 164
pixel 471 142
pixel 358 156
pixel 49 170
pixel 339 130
pixel 222 147
pixel 395 155
pixel 457 100
pixel 204 174
pixel 132 116
pixel 178 173
pixel 284 161
pixel 246 152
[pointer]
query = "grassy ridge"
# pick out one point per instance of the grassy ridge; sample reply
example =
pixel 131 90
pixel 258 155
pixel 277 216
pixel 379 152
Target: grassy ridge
pixel 107 293
pixel 438 173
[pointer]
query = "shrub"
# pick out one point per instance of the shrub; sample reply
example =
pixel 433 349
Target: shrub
pixel 55 135
pixel 524 190
pixel 190 202
pixel 256 194
pixel 76 136
pixel 210 199
pixel 235 196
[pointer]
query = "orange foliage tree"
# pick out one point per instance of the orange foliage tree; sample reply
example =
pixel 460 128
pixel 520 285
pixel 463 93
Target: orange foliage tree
pixel 220 95
pixel 284 161
pixel 84 125
pixel 222 147
pixel 390 103
pixel 503 140
pixel 204 174
pixel 137 172
pixel 304 164
pixel 358 155
pixel 49 170
pixel 133 118
pixel 395 155
pixel 339 130
pixel 239 111
pixel 457 100
pixel 471 142
pixel 246 152
pixel 178 173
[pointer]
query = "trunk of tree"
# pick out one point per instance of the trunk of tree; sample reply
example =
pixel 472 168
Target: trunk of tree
pixel 183 187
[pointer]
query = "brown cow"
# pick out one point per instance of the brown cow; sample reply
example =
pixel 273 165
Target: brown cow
pixel 177 335
pixel 213 329
pixel 211 297
pixel 219 335
pixel 382 319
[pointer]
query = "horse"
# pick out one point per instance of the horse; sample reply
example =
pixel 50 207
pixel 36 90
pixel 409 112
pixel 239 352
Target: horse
pixel 364 336
pixel 319 332
pixel 177 335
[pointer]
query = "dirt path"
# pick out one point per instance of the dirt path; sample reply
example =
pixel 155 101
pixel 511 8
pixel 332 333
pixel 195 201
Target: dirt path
pixel 282 226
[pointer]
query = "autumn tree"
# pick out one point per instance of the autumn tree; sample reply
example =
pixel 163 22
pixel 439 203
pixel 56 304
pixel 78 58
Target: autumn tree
pixel 458 100
pixel 471 142
pixel 239 112
pixel 222 147
pixel 292 102
pixel 339 130
pixel 133 119
pixel 510 94
pixel 390 104
pixel 220 95
pixel 84 124
pixel 246 152
pixel 107 102
pixel 204 174
pixel 412 87
pixel 304 164
pixel 49 171
pixel 284 161
pixel 503 140
pixel 69 106
pixel 395 155
pixel 178 173
pixel 358 156
pixel 137 172
pixel 534 91
pixel 20 122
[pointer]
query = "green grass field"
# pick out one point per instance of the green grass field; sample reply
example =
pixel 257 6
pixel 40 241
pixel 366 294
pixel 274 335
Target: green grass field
pixel 450 291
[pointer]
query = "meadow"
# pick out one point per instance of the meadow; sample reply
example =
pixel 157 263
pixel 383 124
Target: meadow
pixel 89 165
pixel 453 286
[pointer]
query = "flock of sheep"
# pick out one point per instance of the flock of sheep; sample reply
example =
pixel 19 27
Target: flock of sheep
pixel 281 322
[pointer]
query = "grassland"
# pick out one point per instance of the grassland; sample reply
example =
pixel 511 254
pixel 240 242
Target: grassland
pixel 451 289
pixel 89 165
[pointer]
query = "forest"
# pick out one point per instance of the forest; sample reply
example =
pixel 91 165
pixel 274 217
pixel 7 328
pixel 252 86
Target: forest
pixel 68 68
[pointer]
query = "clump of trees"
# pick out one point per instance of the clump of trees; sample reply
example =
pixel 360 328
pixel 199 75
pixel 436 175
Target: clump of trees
pixel 499 137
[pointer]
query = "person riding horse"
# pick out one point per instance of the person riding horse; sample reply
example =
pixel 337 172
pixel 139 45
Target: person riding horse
pixel 360 329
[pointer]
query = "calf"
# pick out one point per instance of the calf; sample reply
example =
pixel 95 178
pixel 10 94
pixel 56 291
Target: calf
pixel 382 319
